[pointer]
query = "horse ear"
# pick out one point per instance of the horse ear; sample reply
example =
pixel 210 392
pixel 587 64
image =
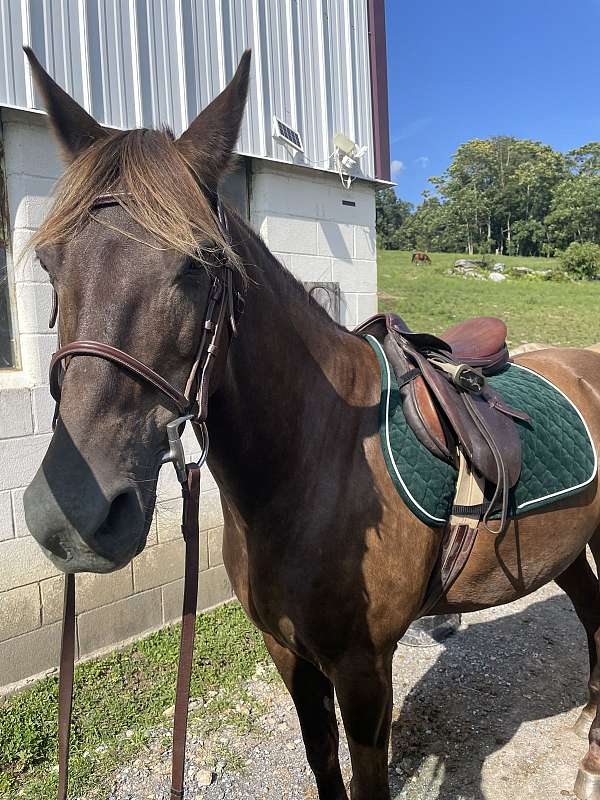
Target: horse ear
pixel 74 129
pixel 209 141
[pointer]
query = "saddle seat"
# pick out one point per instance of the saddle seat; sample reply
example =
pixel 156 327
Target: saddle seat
pixel 477 338
pixel 445 398
pixel 479 342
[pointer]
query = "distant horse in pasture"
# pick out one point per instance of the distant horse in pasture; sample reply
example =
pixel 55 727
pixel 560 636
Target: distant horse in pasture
pixel 420 257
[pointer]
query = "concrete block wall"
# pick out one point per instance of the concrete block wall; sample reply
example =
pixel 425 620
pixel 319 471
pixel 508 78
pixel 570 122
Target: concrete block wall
pixel 320 231
pixel 146 594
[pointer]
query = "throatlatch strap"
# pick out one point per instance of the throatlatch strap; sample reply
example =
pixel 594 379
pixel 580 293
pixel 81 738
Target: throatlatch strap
pixel 65 685
pixel 191 534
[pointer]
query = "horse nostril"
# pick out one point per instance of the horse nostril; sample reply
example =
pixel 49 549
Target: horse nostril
pixel 118 536
pixel 121 510
pixel 55 545
pixel 90 527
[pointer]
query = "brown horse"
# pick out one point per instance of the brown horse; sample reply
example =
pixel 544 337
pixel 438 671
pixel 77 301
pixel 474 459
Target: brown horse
pixel 420 257
pixel 322 553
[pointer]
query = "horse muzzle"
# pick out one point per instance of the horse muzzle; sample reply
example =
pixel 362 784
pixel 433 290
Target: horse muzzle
pixel 88 532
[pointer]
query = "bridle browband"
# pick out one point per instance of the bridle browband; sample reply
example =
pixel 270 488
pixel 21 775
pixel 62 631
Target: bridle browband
pixel 224 308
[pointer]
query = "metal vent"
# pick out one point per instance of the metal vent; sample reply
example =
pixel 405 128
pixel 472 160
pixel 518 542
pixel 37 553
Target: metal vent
pixel 287 135
pixel 327 294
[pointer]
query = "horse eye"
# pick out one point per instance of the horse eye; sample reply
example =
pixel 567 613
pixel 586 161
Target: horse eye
pixel 191 269
pixel 207 253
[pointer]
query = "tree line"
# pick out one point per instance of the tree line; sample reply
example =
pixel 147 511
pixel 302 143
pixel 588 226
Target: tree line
pixel 500 195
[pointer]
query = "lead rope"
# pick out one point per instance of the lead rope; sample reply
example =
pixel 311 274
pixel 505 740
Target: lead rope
pixel 190 529
pixel 65 685
pixel 190 491
pixel 67 645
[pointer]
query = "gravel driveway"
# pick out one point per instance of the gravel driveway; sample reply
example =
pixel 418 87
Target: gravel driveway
pixel 484 716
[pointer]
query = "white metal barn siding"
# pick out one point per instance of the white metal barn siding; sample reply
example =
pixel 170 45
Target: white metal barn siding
pixel 148 63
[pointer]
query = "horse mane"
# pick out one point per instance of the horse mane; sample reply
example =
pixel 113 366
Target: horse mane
pixel 258 253
pixel 152 181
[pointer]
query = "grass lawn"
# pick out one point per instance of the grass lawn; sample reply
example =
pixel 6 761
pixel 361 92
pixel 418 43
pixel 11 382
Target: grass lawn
pixel 548 312
pixel 119 699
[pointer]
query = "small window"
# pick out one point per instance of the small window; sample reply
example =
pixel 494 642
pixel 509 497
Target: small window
pixel 7 340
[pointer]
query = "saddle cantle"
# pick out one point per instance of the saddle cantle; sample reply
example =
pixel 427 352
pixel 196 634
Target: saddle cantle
pixel 459 418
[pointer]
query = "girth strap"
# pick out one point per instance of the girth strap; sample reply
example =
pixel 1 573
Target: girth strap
pixel 456 548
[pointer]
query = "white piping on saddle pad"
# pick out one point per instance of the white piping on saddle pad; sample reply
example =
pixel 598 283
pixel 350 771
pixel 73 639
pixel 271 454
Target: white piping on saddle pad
pixel 587 430
pixel 536 500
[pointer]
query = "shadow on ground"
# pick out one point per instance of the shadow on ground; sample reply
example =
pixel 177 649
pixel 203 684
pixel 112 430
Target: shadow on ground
pixel 491 679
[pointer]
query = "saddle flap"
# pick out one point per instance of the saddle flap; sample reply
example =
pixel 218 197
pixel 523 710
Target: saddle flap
pixel 505 437
pixel 499 427
pixel 495 401
pixel 418 406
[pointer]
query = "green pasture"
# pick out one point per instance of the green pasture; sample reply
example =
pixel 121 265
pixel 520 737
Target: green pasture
pixel 535 310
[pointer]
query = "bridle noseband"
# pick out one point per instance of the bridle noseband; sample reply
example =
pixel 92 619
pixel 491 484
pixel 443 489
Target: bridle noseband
pixel 224 308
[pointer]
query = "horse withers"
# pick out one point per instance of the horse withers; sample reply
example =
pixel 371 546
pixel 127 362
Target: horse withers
pixel 323 554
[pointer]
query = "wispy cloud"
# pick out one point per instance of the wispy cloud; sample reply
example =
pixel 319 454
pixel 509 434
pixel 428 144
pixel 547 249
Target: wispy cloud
pixel 411 129
pixel 396 167
pixel 422 161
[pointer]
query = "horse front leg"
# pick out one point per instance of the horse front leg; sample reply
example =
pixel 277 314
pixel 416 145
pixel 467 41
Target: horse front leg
pixel 364 690
pixel 312 693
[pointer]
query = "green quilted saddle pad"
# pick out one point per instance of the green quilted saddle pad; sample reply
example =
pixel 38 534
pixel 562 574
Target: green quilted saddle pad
pixel 559 458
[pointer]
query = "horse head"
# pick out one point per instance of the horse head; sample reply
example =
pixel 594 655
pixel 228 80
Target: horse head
pixel 134 273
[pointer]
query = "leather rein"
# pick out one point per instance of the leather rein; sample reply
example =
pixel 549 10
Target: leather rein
pixel 223 310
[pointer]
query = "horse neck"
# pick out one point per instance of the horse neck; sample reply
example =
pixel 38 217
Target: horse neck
pixel 291 373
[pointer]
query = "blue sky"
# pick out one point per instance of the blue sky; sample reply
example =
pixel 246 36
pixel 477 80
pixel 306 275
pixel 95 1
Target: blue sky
pixel 464 69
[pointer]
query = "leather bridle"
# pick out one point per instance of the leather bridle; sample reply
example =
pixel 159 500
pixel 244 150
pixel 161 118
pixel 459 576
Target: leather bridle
pixel 223 310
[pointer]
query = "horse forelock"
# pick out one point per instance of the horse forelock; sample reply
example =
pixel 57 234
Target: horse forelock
pixel 159 189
